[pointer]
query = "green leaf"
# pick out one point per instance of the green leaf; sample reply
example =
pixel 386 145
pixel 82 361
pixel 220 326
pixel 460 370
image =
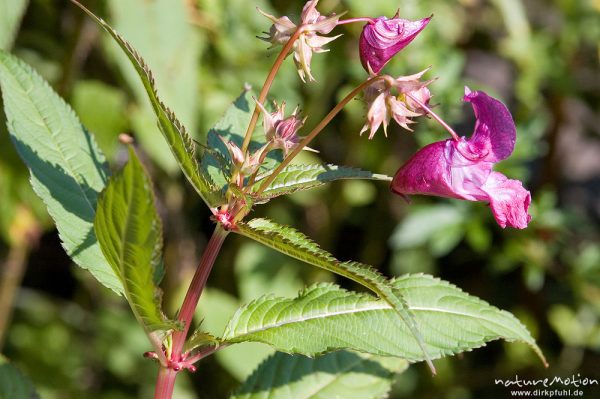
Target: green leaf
pixel 68 171
pixel 130 234
pixel 295 244
pixel 232 126
pixel 325 317
pixel 161 30
pixel 181 144
pixel 200 339
pixel 340 374
pixel 304 177
pixel 13 384
pixel 11 12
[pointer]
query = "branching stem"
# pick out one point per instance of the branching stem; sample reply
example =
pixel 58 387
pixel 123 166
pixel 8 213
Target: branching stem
pixel 307 139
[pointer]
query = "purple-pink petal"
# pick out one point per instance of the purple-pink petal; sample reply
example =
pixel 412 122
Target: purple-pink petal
pixel 382 38
pixel 509 200
pixel 495 132
pixel 462 168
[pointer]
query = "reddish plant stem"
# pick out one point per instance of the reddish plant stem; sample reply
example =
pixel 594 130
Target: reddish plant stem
pixel 188 308
pixel 435 116
pixel 267 86
pixel 165 383
pixel 352 20
pixel 166 375
pixel 307 139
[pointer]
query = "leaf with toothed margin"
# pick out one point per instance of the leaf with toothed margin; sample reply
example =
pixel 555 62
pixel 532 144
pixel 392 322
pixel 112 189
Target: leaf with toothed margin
pixel 129 231
pixel 67 168
pixel 199 339
pixel 181 144
pixel 325 317
pixel 341 374
pixel 305 177
pixel 293 243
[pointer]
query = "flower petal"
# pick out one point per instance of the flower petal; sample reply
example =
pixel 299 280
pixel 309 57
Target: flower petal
pixel 495 132
pixel 428 172
pixel 509 200
pixel 381 39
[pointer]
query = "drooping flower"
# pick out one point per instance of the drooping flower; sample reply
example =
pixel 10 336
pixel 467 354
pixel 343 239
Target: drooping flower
pixel 462 168
pixel 397 99
pixel 280 131
pixel 312 24
pixel 383 38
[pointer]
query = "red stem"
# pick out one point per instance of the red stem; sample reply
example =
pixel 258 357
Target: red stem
pixel 165 383
pixel 166 375
pixel 186 314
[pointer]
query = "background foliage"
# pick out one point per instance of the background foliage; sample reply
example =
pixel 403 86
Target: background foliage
pixel 73 338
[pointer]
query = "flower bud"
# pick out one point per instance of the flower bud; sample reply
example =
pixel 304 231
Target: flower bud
pixel 382 38
pixel 281 132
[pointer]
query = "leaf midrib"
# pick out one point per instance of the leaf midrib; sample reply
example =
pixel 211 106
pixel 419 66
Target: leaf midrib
pixel 53 139
pixel 375 307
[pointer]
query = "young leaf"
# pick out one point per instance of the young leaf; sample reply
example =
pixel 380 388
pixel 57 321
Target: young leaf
pixel 232 126
pixel 341 374
pixel 200 339
pixel 13 384
pixel 130 234
pixel 181 144
pixel 295 244
pixel 304 177
pixel 11 12
pixel 325 317
pixel 68 171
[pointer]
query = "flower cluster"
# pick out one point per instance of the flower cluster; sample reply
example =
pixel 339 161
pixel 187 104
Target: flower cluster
pixel 456 168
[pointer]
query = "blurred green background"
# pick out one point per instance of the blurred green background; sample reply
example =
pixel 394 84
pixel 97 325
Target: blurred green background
pixel 75 339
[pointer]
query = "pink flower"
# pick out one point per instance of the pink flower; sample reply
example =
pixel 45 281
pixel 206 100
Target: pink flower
pixel 313 24
pixel 280 131
pixel 391 99
pixel 462 168
pixel 382 38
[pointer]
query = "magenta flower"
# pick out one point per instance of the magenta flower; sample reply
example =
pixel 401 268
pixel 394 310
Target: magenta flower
pixel 462 168
pixel 382 38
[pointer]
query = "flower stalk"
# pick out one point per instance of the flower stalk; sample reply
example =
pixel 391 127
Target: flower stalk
pixel 262 96
pixel 307 139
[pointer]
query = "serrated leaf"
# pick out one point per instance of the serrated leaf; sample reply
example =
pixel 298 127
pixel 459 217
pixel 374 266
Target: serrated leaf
pixel 199 339
pixel 161 30
pixel 130 235
pixel 13 384
pixel 67 168
pixel 295 244
pixel 304 177
pixel 325 317
pixel 181 144
pixel 232 126
pixel 341 374
pixel 11 12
